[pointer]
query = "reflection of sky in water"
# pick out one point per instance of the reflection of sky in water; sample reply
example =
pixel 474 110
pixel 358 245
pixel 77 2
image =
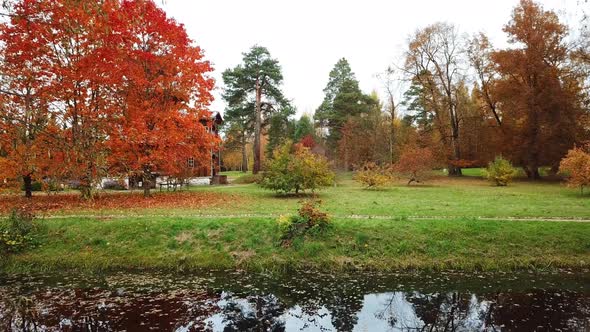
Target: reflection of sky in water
pixel 380 312
pixel 299 305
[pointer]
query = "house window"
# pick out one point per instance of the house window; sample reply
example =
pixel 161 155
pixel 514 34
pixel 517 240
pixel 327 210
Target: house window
pixel 191 162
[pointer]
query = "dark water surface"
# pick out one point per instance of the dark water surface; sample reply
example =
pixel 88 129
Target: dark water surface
pixel 303 301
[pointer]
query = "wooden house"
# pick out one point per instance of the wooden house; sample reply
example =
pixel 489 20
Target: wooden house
pixel 214 166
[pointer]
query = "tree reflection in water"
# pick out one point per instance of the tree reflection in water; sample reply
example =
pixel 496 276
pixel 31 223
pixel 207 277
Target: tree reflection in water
pixel 349 304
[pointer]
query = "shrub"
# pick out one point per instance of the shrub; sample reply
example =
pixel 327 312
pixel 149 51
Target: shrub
pixel 15 232
pixel 247 179
pixel 415 163
pixel 295 168
pixel 500 171
pixel 576 165
pixel 373 176
pixel 309 220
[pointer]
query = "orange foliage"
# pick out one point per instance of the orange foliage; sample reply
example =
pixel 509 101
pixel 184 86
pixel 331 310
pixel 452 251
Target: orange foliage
pixel 115 201
pixel 308 141
pixel 465 163
pixel 167 93
pixel 92 87
pixel 577 166
pixel 415 162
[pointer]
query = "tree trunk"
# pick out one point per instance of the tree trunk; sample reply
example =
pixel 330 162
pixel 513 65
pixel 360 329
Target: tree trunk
pixel 147 183
pixel 86 184
pixel 453 169
pixel 392 138
pixel 244 155
pixel 86 192
pixel 257 130
pixel 28 183
pixel 532 171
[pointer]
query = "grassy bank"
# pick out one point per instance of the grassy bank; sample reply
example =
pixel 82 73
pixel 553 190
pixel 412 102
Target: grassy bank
pixel 252 243
pixel 235 227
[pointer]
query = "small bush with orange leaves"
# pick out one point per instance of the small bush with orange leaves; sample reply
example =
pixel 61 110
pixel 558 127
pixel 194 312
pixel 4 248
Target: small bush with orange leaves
pixel 576 166
pixel 308 221
pixel 415 164
pixel 373 176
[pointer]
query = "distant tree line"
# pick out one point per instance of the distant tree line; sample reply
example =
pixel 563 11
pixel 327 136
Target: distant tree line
pixel 455 95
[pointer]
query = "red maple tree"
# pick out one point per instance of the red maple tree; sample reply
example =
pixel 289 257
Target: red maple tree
pixel 165 95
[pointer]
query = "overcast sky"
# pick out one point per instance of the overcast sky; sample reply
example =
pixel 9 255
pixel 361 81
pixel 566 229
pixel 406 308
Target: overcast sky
pixel 308 37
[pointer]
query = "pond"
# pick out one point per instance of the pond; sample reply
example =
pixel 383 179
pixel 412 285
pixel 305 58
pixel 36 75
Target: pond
pixel 297 301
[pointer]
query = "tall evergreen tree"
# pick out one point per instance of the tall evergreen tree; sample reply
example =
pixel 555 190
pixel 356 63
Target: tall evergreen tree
pixel 253 90
pixel 303 127
pixel 343 99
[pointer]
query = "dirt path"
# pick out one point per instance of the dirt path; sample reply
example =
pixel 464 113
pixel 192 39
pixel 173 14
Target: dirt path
pixel 356 216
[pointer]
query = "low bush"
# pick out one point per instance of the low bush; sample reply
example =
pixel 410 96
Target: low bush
pixel 16 231
pixel 247 179
pixel 309 220
pixel 500 171
pixel 294 168
pixel 373 176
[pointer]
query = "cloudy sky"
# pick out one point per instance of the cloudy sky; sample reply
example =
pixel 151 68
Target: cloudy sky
pixel 308 37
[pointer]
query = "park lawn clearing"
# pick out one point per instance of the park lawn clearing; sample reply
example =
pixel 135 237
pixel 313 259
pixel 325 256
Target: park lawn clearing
pixel 165 243
pixel 447 223
pixel 440 197
pixel 437 197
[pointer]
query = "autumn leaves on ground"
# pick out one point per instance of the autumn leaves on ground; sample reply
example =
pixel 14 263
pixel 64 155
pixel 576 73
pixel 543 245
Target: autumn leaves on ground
pixel 235 226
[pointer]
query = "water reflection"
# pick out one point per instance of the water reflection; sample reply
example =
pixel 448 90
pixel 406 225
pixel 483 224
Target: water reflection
pixel 240 302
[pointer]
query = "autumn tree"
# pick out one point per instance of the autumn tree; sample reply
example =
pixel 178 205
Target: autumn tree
pixel 576 166
pixel 254 89
pixel 165 95
pixel 537 92
pixel 86 71
pixel 479 51
pixel 25 119
pixel 433 62
pixel 238 132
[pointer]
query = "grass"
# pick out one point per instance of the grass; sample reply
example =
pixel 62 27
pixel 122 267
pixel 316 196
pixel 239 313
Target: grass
pixel 252 243
pixel 236 228
pixel 461 197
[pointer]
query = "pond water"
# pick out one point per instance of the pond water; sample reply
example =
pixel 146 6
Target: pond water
pixel 299 301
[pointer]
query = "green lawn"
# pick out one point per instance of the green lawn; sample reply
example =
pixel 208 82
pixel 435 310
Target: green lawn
pixel 461 197
pixel 468 196
pixel 252 243
pixel 373 229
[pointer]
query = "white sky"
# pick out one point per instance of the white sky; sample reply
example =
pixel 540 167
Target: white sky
pixel 308 37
